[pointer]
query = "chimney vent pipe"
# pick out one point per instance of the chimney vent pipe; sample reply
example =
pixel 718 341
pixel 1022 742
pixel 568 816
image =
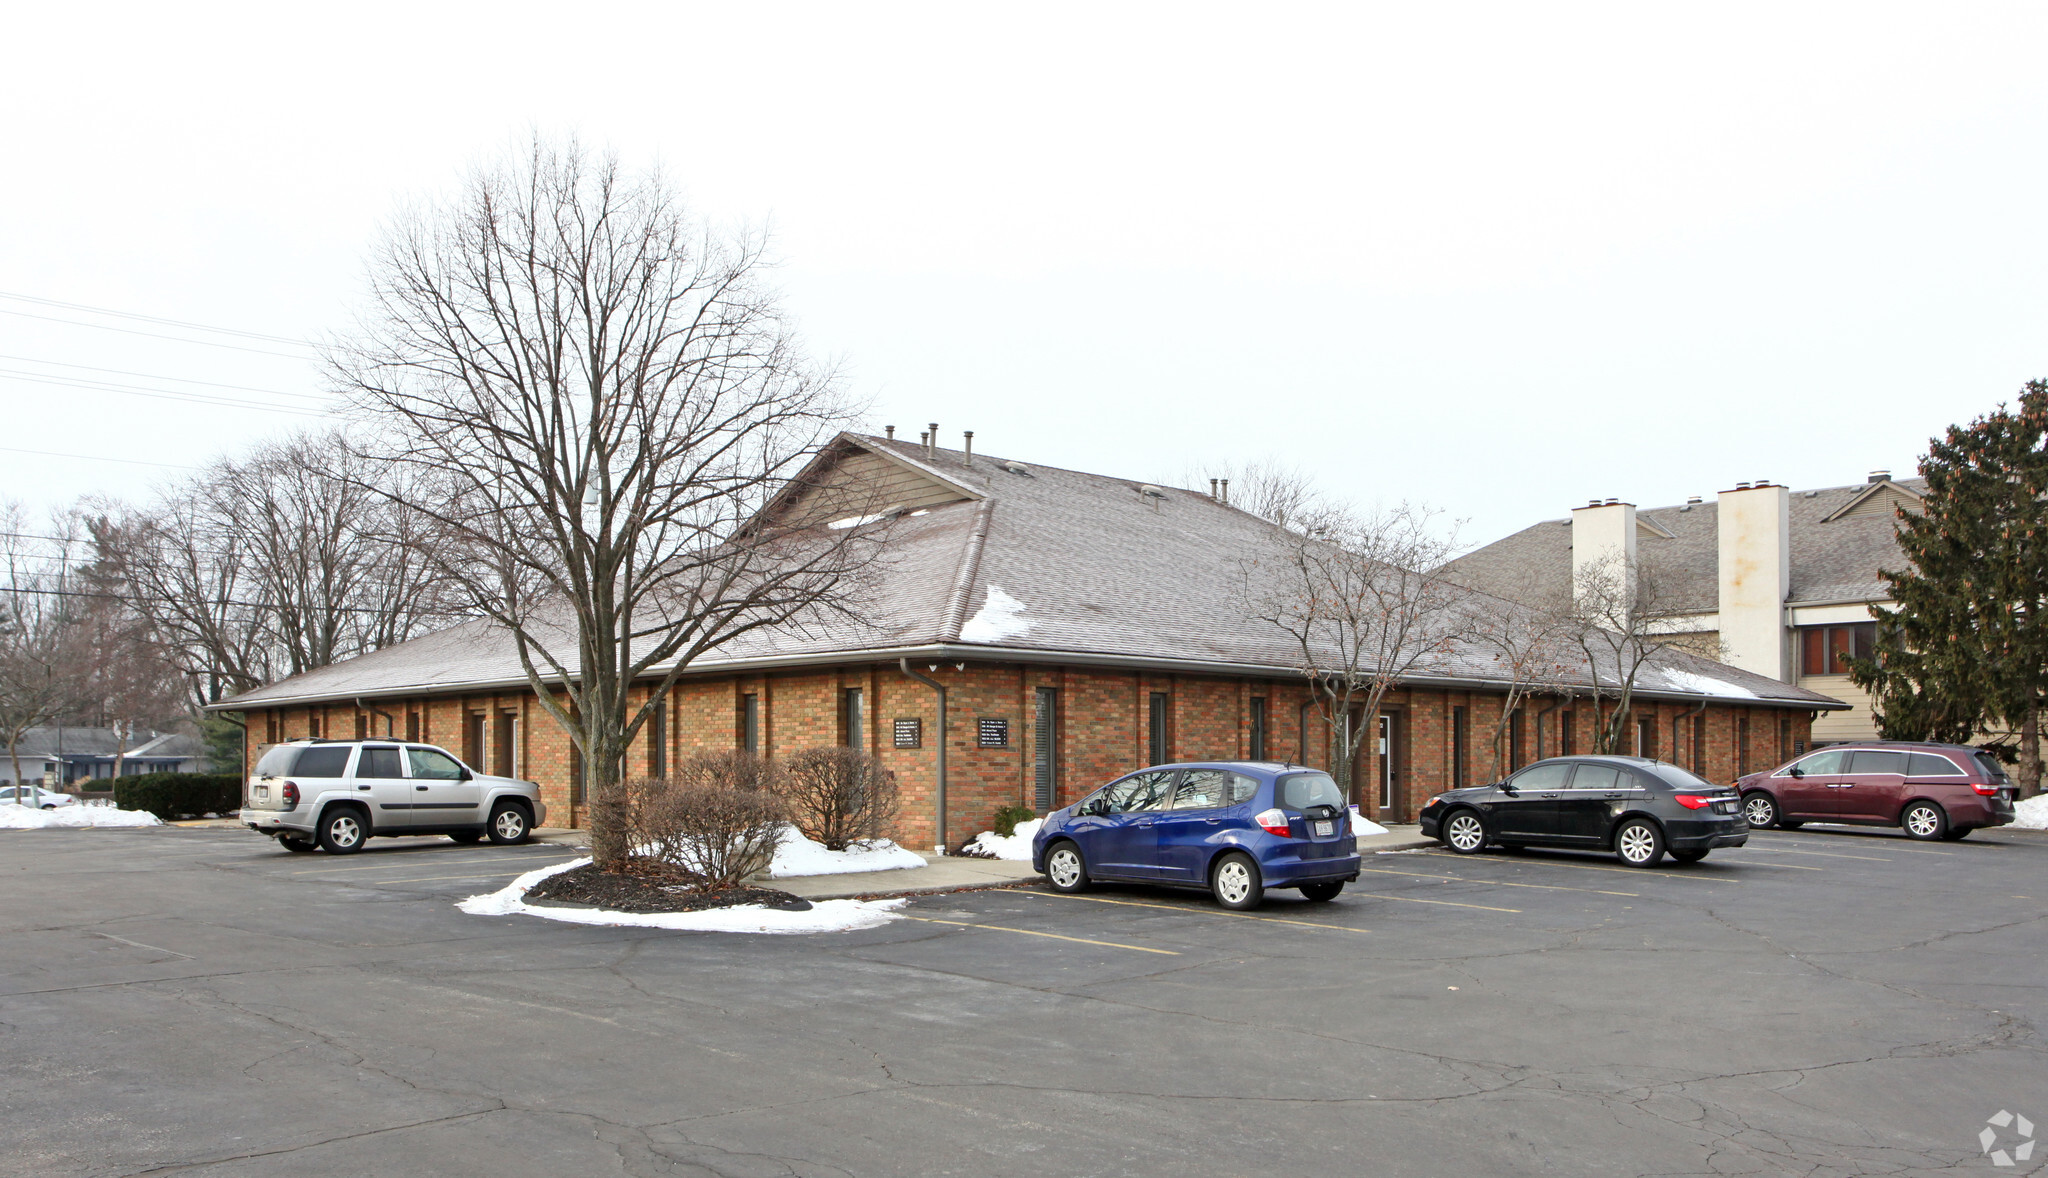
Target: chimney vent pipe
pixel 1879 476
pixel 931 448
pixel 889 431
pixel 1212 492
pixel 1226 492
pixel 969 435
pixel 1742 486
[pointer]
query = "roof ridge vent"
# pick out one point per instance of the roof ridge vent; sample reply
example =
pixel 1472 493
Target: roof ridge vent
pixel 1016 467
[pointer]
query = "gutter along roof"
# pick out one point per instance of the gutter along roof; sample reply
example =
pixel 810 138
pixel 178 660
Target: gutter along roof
pixel 1036 565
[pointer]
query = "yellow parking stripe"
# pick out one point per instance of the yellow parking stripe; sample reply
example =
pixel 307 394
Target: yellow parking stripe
pixel 1498 883
pixel 1342 928
pixel 1635 871
pixel 1035 933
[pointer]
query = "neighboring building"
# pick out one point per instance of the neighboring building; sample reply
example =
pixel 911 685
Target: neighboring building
pixel 1081 626
pixel 1784 580
pixel 59 756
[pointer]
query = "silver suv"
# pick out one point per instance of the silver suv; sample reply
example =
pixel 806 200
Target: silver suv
pixel 335 794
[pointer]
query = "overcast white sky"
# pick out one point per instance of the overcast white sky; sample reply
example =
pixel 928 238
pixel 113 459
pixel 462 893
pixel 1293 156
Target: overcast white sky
pixel 1500 258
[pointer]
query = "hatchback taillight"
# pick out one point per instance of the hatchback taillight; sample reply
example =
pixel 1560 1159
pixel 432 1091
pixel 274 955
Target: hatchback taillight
pixel 1275 822
pixel 1692 801
pixel 291 795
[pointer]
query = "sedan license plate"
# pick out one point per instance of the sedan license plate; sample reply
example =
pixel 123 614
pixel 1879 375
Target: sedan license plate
pixel 1724 807
pixel 1326 828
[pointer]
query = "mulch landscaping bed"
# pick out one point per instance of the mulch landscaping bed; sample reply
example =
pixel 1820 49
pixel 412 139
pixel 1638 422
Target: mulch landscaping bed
pixel 648 886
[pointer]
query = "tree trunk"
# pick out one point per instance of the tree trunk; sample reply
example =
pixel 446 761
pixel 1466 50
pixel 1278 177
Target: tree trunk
pixel 609 846
pixel 2030 753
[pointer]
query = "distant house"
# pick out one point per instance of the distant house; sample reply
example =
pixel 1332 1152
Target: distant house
pixel 1784 579
pixel 1082 625
pixel 61 755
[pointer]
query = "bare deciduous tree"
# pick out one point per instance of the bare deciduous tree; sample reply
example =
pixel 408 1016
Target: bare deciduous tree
pixel 1364 606
pixel 839 796
pixel 1529 648
pixel 38 631
pixel 1268 488
pixel 594 399
pixel 1620 618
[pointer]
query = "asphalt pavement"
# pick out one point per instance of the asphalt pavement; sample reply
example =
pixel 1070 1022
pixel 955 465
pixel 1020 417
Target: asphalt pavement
pixel 1818 1003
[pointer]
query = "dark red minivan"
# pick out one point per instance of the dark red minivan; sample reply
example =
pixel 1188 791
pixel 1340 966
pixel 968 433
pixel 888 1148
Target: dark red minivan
pixel 1932 791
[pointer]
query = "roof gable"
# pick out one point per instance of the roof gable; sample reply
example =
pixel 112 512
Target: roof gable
pixel 1881 498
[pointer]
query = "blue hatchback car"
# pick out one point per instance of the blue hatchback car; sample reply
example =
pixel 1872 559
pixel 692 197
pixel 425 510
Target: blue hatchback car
pixel 1233 827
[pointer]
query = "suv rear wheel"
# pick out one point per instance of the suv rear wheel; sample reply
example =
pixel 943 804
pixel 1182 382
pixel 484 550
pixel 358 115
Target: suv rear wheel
pixel 343 830
pixel 509 823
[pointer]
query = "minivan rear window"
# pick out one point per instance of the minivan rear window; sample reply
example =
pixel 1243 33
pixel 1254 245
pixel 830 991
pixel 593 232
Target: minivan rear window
pixel 1299 791
pixel 1930 765
pixel 1992 769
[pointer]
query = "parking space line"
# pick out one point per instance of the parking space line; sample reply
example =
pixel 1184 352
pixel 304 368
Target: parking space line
pixel 429 878
pixel 1889 850
pixel 1000 928
pixel 1499 883
pixel 403 866
pixel 1822 854
pixel 1342 928
pixel 1635 871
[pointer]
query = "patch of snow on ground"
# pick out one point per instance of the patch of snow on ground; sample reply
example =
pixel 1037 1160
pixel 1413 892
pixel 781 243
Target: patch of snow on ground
pixel 2031 814
pixel 797 855
pixel 1363 827
pixel 825 916
pixel 1017 846
pixel 996 620
pixel 1687 681
pixel 15 816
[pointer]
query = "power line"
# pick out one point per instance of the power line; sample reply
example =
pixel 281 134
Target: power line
pixel 121 597
pixel 160 376
pixel 95 458
pixel 276 339
pixel 155 335
pixel 101 386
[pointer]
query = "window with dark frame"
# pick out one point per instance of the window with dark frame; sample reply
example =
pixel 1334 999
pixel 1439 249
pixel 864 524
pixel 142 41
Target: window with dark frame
pixel 575 773
pixel 1646 737
pixel 313 725
pixel 1258 733
pixel 412 724
pixel 750 723
pixel 852 719
pixel 362 726
pixel 1742 744
pixel 657 739
pixel 1784 736
pixel 473 738
pixel 1678 740
pixel 505 761
pixel 1825 650
pixel 1157 743
pixel 1459 740
pixel 1044 742
pixel 1566 746
pixel 1515 724
pixel 1699 744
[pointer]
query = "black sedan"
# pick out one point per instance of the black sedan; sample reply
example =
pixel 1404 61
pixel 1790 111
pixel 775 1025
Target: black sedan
pixel 1635 807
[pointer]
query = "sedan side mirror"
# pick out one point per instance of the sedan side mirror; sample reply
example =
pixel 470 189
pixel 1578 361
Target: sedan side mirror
pixel 1508 789
pixel 1796 771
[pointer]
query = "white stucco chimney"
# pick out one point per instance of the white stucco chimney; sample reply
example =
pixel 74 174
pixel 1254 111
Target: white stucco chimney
pixel 1604 542
pixel 1755 524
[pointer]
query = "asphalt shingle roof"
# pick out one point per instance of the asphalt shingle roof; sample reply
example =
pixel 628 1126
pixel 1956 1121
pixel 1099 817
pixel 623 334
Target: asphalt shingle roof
pixel 1069 564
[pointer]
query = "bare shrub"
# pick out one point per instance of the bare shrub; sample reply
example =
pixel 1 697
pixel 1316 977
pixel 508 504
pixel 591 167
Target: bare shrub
pixel 716 818
pixel 839 796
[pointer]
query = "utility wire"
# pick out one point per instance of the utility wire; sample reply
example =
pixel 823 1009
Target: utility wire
pixel 122 597
pixel 276 339
pixel 174 379
pixel 96 458
pixel 158 394
pixel 155 335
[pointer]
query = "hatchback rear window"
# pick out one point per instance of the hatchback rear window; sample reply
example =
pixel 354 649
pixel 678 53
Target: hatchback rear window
pixel 1302 790
pixel 321 760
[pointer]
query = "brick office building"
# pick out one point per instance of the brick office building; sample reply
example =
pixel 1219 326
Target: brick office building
pixel 1079 626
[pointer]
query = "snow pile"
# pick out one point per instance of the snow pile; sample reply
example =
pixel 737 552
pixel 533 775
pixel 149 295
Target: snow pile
pixel 1362 827
pixel 996 620
pixel 825 916
pixel 1017 846
pixel 1687 681
pixel 2031 814
pixel 15 816
pixel 797 855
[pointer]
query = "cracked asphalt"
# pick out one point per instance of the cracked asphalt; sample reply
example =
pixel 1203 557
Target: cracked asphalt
pixel 1818 1003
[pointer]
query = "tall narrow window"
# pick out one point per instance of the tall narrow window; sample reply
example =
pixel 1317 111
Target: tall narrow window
pixel 412 724
pixel 270 727
pixel 505 745
pixel 473 738
pixel 575 773
pixel 1515 739
pixel 750 723
pixel 852 721
pixel 1742 744
pixel 1458 743
pixel 1784 736
pixel 1044 734
pixel 1699 744
pixel 1566 746
pixel 657 739
pixel 1646 737
pixel 1302 725
pixel 313 725
pixel 362 726
pixel 1258 742
pixel 1157 733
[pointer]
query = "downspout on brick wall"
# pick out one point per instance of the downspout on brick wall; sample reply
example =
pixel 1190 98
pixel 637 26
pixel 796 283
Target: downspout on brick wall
pixel 939 687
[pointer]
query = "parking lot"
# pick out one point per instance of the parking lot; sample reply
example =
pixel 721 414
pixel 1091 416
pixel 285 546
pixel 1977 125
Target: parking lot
pixel 1817 1003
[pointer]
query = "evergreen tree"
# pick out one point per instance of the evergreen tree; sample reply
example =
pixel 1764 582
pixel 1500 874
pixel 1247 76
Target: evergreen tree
pixel 1968 642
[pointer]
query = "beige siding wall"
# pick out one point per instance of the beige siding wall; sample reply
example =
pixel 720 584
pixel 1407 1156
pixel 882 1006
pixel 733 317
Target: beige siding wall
pixel 1854 724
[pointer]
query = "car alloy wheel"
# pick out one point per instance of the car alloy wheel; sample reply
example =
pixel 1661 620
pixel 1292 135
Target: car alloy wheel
pixel 342 833
pixel 508 824
pixel 1063 866
pixel 1760 810
pixel 1236 882
pixel 1464 833
pixel 1924 820
pixel 1638 844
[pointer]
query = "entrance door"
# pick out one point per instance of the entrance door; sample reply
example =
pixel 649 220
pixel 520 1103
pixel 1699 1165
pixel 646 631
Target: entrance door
pixel 1386 763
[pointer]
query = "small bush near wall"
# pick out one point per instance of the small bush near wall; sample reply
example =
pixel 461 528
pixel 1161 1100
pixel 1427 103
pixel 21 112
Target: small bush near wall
pixel 1007 818
pixel 713 818
pixel 172 796
pixel 839 796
